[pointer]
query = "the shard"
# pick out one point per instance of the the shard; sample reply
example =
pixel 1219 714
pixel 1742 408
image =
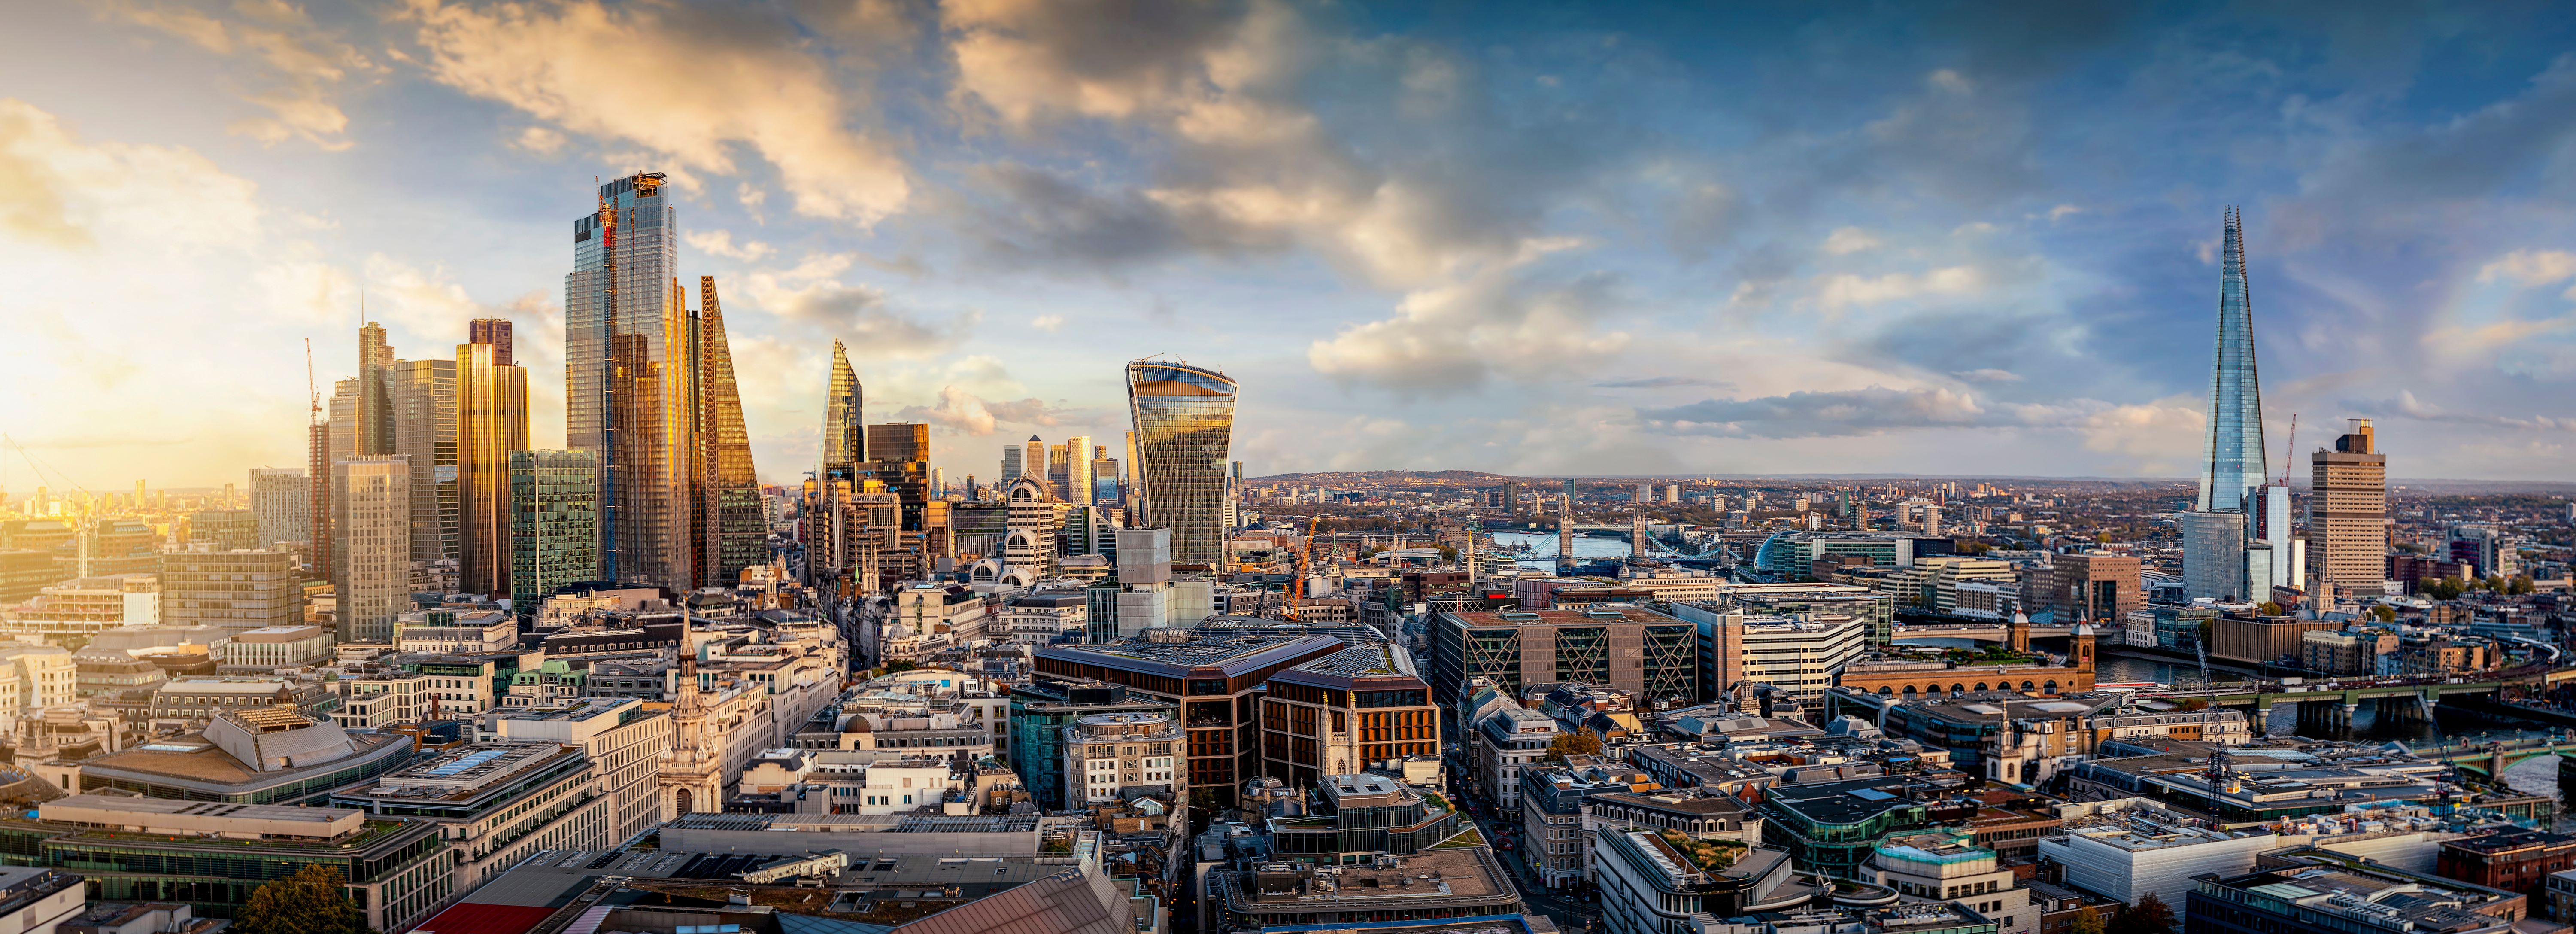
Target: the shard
pixel 2234 465
pixel 731 532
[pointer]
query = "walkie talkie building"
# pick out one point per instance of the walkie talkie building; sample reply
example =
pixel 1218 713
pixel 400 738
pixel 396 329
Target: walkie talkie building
pixel 1184 420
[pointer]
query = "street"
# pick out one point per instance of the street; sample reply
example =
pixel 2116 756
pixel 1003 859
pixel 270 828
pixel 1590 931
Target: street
pixel 1570 916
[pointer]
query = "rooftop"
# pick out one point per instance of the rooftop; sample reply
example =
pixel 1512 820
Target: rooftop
pixel 1228 654
pixel 468 772
pixel 1590 614
pixel 2387 900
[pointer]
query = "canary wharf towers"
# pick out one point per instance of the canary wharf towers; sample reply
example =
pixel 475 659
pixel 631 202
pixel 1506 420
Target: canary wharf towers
pixel 649 391
pixel 1184 421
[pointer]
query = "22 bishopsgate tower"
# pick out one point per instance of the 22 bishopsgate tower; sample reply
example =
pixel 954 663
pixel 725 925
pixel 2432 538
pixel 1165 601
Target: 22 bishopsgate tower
pixel 2236 539
pixel 649 394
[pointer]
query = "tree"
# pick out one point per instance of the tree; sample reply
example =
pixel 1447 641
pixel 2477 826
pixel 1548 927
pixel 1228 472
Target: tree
pixel 899 665
pixel 313 901
pixel 2443 588
pixel 2384 613
pixel 1573 744
pixel 2269 608
pixel 2521 585
pixel 2087 921
pixel 2149 915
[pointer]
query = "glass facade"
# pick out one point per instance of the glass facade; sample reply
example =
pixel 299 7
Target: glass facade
pixel 491 422
pixel 554 524
pixel 627 388
pixel 1184 422
pixel 844 439
pixel 731 532
pixel 2235 465
pixel 425 431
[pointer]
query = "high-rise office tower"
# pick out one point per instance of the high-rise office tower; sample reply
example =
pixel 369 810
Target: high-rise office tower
pixel 371 544
pixel 333 438
pixel 425 432
pixel 1010 462
pixel 730 531
pixel 845 441
pixel 2234 464
pixel 1033 458
pixel 899 458
pixel 1184 423
pixel 1059 472
pixel 2215 531
pixel 493 331
pixel 1104 479
pixel 1077 466
pixel 627 382
pixel 2348 512
pixel 491 422
pixel 283 500
pixel 554 524
pixel 375 411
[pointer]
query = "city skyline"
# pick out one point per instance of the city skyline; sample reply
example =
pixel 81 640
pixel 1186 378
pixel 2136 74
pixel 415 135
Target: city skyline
pixel 1505 277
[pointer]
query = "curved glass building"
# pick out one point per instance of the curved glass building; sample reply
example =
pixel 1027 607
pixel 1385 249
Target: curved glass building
pixel 1184 420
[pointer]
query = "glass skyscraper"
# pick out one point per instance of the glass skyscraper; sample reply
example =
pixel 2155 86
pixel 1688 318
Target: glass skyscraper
pixel 424 397
pixel 845 440
pixel 554 524
pixel 627 385
pixel 2235 462
pixel 491 422
pixel 730 531
pixel 1183 417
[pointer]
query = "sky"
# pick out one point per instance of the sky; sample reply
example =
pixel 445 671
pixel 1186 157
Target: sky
pixel 1915 238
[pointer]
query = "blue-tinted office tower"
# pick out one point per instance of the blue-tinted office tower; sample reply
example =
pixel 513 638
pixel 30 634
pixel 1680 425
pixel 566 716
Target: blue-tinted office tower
pixel 2235 462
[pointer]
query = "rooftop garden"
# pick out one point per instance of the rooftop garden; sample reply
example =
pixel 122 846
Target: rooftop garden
pixel 1461 840
pixel 1437 801
pixel 1708 855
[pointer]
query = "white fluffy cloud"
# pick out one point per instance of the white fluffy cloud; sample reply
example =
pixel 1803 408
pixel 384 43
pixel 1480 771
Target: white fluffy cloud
pixel 687 86
pixel 301 67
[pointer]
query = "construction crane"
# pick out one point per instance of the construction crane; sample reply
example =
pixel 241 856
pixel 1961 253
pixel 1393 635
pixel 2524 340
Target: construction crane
pixel 2290 460
pixel 312 388
pixel 1305 561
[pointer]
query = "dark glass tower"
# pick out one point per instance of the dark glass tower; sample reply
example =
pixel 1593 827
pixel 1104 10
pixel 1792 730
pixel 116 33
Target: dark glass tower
pixel 2235 462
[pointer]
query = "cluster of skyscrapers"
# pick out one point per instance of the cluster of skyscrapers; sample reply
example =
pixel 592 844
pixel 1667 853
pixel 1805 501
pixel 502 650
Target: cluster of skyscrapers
pixel 422 475
pixel 2237 545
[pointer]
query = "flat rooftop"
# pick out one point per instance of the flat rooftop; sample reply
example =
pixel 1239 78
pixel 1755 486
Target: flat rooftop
pixel 469 772
pixel 1231 654
pixel 1590 614
pixel 2390 901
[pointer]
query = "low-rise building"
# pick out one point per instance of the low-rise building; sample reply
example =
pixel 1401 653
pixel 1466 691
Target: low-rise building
pixel 1039 713
pixel 2308 890
pixel 1453 883
pixel 1117 756
pixel 1556 844
pixel 496 803
pixel 454 631
pixel 272 647
pixel 2519 861
pixel 1655 882
pixel 2125 849
pixel 1951 867
pixel 622 741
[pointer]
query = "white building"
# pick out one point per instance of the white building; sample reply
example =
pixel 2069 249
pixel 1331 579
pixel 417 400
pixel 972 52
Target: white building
pixel 2126 848
pixel 1950 867
pixel 457 632
pixel 1799 655
pixel 281 500
pixel 624 743
pixel 1108 756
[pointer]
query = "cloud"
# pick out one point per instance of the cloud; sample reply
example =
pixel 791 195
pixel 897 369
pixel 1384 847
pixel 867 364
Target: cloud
pixel 962 412
pixel 1849 240
pixel 1048 323
pixel 687 85
pixel 2062 212
pixel 1987 375
pixel 2527 268
pixel 1496 324
pixel 2405 405
pixel 1659 382
pixel 543 141
pixel 305 64
pixel 1845 290
pixel 1870 411
pixel 808 294
pixel 720 243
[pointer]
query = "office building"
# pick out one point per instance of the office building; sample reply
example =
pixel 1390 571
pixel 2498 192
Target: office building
pixel 225 529
pixel 1455 890
pixel 1799 655
pixel 2317 890
pixel 328 441
pixel 554 524
pixel 2094 587
pixel 1104 482
pixel 2213 557
pixel 498 802
pixel 371 544
pixel 235 590
pixel 1211 678
pixel 424 400
pixel 1078 487
pixel 282 503
pixel 2234 463
pixel 2125 850
pixel 372 420
pixel 1183 419
pixel 1111 757
pixel 622 741
pixel 628 382
pixel 2348 512
pixel 1033 460
pixel 1657 656
pixel 494 333
pixel 729 528
pixel 1357 709
pixel 844 422
pixel 273 647
pixel 210 859
pixel 1040 712
pixel 1654 882
pixel 491 422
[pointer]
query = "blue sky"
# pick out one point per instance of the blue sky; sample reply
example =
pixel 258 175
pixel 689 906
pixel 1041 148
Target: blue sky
pixel 1911 238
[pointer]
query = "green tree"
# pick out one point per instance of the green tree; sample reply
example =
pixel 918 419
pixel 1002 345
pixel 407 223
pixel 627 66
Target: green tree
pixel 313 901
pixel 1573 744
pixel 2443 589
pixel 2149 915
pixel 2384 613
pixel 2521 584
pixel 2087 921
